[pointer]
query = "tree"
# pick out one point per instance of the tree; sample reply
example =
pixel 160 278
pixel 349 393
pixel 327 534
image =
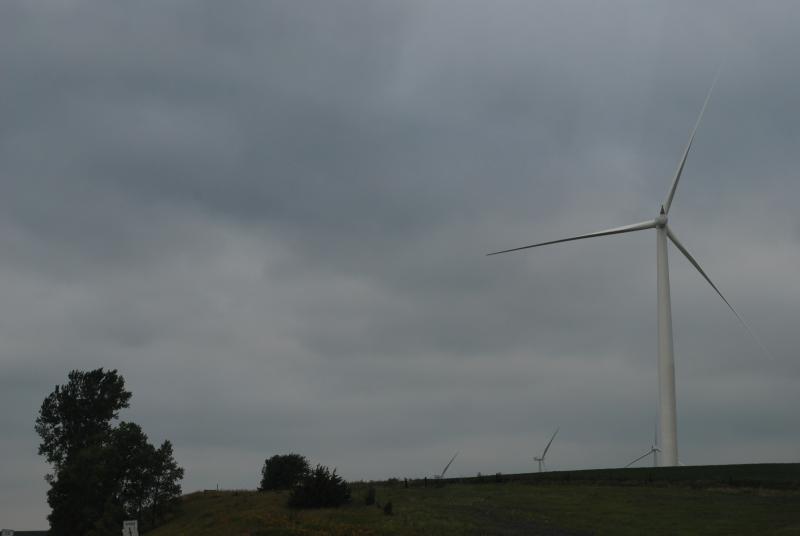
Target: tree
pixel 321 488
pixel 131 457
pixel 79 491
pixel 102 474
pixel 79 413
pixel 165 490
pixel 147 479
pixel 283 471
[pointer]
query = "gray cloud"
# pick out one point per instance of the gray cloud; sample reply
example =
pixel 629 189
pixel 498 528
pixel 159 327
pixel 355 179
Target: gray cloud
pixel 272 218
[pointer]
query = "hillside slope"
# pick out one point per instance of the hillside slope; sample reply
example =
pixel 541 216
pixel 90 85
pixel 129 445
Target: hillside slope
pixel 520 505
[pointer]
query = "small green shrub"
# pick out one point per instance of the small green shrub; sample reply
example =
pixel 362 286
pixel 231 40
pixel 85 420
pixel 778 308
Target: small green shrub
pixel 320 489
pixel 387 509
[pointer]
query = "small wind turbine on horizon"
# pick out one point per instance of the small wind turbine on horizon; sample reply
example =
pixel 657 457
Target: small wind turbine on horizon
pixel 540 459
pixel 666 358
pixel 446 467
pixel 653 450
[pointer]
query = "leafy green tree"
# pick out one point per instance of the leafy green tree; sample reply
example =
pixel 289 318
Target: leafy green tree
pixel 102 474
pixel 131 458
pixel 165 490
pixel 283 471
pixel 148 479
pixel 79 413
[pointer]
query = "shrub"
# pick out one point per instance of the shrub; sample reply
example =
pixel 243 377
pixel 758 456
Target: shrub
pixel 387 510
pixel 369 499
pixel 320 488
pixel 283 471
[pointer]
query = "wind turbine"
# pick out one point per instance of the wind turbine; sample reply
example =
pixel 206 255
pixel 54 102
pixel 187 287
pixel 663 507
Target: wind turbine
pixel 446 467
pixel 666 359
pixel 541 458
pixel 653 450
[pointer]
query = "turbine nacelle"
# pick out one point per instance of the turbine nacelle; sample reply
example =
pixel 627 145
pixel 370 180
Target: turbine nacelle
pixel 661 219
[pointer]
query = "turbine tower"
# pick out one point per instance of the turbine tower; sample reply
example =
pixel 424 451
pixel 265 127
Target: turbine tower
pixel 540 459
pixel 666 360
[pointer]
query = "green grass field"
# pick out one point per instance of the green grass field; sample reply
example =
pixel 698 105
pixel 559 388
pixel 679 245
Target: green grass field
pixel 666 502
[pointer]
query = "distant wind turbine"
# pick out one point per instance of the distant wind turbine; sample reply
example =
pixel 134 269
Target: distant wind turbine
pixel 540 459
pixel 666 358
pixel 446 467
pixel 653 450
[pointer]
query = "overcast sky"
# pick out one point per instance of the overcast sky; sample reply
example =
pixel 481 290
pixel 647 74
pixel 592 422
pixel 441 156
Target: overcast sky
pixel 272 219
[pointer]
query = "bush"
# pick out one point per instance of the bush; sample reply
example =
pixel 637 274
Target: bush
pixel 387 510
pixel 320 489
pixel 283 471
pixel 369 499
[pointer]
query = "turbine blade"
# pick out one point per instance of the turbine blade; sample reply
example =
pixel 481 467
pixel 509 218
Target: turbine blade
pixel 639 458
pixel 686 253
pixel 548 444
pixel 446 467
pixel 677 178
pixel 617 230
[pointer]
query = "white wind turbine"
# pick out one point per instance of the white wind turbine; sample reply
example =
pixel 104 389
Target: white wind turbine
pixel 540 459
pixel 666 361
pixel 653 450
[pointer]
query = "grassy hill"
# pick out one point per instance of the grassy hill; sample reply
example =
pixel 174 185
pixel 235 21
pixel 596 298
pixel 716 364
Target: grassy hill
pixel 748 499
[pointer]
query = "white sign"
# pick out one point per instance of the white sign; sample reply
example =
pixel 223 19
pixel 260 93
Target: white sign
pixel 130 528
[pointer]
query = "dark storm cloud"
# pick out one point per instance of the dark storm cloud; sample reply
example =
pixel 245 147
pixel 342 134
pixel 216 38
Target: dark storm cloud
pixel 272 218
